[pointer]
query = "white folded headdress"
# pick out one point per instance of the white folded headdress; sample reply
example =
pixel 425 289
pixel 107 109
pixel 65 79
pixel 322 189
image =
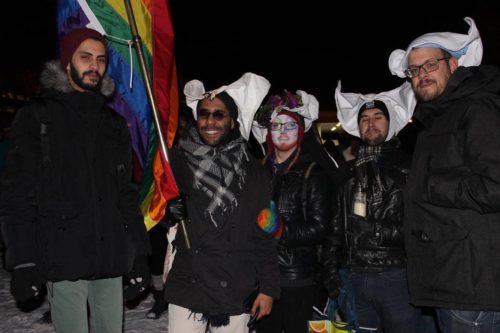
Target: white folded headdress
pixel 400 103
pixel 247 93
pixel 468 49
pixel 309 110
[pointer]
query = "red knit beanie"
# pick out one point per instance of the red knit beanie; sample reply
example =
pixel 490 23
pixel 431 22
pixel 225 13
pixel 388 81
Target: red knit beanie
pixel 72 40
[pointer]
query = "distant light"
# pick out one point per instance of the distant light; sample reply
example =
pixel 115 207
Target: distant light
pixel 333 128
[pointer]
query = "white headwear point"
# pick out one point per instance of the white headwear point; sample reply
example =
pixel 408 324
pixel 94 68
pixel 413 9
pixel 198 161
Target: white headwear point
pixel 400 103
pixel 247 93
pixel 468 49
pixel 309 110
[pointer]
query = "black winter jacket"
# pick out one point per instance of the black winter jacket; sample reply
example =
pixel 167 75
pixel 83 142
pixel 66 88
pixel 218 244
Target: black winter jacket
pixel 452 200
pixel 72 210
pixel 224 263
pixel 374 243
pixel 306 218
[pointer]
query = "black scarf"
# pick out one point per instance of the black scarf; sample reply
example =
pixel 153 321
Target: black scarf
pixel 218 171
pixel 367 170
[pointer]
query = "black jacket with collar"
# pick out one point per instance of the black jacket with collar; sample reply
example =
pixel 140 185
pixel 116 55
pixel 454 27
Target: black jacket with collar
pixel 225 263
pixel 374 243
pixel 452 201
pixel 306 219
pixel 75 216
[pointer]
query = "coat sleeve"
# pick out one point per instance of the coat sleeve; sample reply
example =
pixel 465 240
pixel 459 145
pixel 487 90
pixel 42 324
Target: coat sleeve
pixel 128 201
pixel 474 182
pixel 332 247
pixel 266 247
pixel 318 214
pixel 18 202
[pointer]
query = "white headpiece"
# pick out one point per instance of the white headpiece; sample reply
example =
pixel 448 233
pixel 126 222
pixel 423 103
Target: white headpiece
pixel 468 49
pixel 247 93
pixel 400 103
pixel 309 110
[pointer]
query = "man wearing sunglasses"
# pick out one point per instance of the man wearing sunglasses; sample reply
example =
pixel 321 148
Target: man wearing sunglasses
pixel 452 201
pixel 229 270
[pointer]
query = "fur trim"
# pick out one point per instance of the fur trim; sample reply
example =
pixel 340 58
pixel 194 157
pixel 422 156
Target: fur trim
pixel 54 77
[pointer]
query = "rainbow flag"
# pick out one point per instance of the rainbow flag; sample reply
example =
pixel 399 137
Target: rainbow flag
pixel 155 28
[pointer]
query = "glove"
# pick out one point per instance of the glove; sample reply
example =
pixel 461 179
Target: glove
pixel 177 211
pixel 26 283
pixel 139 278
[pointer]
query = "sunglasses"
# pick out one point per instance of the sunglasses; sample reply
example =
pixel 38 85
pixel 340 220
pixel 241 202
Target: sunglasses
pixel 218 115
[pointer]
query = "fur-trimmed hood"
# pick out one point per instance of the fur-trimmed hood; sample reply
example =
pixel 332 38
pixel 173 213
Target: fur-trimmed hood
pixel 53 77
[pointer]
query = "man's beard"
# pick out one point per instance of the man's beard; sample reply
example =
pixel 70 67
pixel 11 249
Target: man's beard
pixel 95 87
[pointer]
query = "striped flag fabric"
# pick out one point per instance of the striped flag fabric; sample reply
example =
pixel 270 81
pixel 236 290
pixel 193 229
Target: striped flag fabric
pixel 154 26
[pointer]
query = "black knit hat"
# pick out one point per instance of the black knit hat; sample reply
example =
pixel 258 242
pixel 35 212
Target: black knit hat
pixel 375 104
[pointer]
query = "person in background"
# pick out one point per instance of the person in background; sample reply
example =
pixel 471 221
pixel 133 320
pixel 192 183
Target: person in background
pixel 69 209
pixel 225 268
pixel 302 197
pixel 452 199
pixel 364 251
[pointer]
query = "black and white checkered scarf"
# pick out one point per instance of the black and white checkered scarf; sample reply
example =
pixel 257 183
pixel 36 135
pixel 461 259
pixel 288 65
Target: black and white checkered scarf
pixel 367 171
pixel 217 171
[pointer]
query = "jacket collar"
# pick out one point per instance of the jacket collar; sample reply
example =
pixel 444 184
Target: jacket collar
pixel 53 77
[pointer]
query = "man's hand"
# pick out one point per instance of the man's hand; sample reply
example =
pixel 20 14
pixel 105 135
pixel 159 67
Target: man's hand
pixel 177 210
pixel 264 304
pixel 139 278
pixel 26 283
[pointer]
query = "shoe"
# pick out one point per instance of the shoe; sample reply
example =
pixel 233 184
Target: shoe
pixel 159 306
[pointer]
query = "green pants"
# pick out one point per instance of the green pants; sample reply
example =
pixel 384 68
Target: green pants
pixel 68 305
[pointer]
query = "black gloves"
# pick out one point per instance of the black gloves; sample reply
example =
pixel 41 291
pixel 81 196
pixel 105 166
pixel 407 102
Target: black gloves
pixel 176 210
pixel 26 283
pixel 139 278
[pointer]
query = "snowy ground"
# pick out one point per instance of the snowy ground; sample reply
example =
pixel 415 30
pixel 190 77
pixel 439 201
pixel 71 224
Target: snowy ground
pixel 15 320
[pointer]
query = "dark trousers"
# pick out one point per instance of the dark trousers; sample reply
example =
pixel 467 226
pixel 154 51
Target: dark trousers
pixel 290 313
pixel 457 321
pixel 383 302
pixel 159 242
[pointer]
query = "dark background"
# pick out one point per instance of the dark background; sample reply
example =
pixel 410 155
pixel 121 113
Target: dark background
pixel 306 45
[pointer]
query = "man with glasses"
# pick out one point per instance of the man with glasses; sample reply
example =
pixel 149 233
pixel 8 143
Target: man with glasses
pixel 453 195
pixel 301 194
pixel 364 253
pixel 228 269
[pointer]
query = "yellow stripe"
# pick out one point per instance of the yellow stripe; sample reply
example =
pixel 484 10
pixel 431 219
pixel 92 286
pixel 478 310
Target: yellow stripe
pixel 142 18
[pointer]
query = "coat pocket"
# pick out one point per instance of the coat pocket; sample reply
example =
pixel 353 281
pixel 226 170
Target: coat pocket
pixel 443 259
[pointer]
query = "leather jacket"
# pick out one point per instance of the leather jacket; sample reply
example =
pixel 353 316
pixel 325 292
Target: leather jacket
pixel 373 243
pixel 306 215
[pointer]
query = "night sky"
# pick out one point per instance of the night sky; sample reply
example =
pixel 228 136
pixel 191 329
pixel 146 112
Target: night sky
pixel 309 46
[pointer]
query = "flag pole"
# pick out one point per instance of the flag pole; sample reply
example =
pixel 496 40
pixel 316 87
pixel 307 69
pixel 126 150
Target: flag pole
pixel 145 74
pixel 136 38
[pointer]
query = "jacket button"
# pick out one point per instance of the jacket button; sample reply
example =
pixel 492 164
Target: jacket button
pixel 223 284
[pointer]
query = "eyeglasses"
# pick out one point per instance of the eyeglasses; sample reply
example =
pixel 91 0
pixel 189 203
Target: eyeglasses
pixel 218 115
pixel 287 126
pixel 430 65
